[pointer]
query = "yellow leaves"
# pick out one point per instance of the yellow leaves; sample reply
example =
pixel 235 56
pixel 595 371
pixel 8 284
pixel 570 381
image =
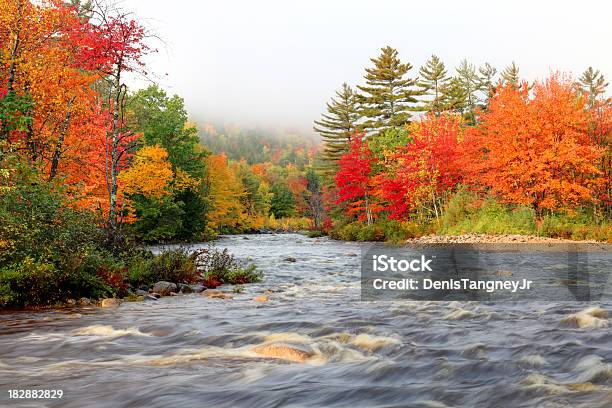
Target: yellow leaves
pixel 150 173
pixel 225 191
pixel 184 182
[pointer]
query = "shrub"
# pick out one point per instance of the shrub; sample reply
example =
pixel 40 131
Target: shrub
pixel 33 283
pixel 577 226
pixel 466 213
pixel 218 267
pixel 175 265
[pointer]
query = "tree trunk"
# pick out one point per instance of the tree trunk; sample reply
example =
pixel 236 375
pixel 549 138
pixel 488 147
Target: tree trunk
pixel 114 153
pixel 57 153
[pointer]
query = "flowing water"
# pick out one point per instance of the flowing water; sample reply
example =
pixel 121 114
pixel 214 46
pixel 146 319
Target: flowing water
pixel 195 351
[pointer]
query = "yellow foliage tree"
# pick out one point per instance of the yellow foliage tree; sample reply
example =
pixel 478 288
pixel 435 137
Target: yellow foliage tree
pixel 150 174
pixel 225 192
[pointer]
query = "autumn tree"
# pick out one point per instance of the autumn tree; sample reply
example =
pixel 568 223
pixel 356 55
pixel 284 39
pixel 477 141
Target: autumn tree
pixel 389 96
pixel 419 176
pixel 338 124
pixel 118 46
pixel 535 150
pixel 225 193
pixel 162 120
pixel 433 76
pixel 150 173
pixel 354 180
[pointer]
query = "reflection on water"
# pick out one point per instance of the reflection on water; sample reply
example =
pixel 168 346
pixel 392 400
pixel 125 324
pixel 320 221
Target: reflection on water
pixel 312 344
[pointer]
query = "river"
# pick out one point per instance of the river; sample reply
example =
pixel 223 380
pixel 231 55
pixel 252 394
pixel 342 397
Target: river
pixel 195 351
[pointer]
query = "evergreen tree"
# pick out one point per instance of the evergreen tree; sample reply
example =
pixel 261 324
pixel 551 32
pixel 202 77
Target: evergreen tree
pixel 338 124
pixel 487 81
pixel 593 83
pixel 388 94
pixel 454 96
pixel 433 78
pixel 282 203
pixel 469 80
pixel 510 75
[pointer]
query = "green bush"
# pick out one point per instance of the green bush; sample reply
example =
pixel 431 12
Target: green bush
pixel 220 267
pixel 466 213
pixel 175 265
pixel 382 230
pixel 34 283
pixel 579 226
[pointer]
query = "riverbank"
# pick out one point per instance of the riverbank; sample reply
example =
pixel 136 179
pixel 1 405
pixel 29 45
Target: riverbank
pixel 503 242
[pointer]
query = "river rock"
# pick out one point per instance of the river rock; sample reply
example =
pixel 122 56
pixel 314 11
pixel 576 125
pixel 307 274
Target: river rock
pixel 261 299
pixel 144 287
pixel 155 295
pixel 84 301
pixel 183 288
pixel 283 352
pixel 216 294
pixel 197 288
pixel 290 259
pixel 140 292
pixel 110 303
pixel 164 288
pixel 149 298
pixel 71 302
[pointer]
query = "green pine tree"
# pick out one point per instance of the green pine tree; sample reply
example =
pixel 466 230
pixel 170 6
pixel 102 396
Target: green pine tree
pixel 388 96
pixel 338 124
pixel 487 82
pixel 433 78
pixel 454 96
pixel 593 83
pixel 510 75
pixel 469 80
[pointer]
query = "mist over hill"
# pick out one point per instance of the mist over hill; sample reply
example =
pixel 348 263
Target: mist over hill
pixel 258 144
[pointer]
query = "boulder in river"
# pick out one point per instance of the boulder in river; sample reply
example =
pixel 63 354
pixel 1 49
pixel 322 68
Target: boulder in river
pixel 84 301
pixel 140 292
pixel 290 259
pixel 216 294
pixel 183 288
pixel 164 288
pixel 197 288
pixel 261 299
pixel 149 298
pixel 110 303
pixel 283 352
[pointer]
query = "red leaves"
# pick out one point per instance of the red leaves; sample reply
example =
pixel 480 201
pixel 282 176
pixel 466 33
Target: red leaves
pixel 417 175
pixel 353 176
pixel 354 180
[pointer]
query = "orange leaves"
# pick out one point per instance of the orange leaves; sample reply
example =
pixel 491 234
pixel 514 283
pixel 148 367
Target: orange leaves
pixel 150 174
pixel 535 149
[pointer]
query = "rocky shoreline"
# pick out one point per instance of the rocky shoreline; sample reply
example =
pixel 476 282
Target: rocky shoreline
pixel 510 242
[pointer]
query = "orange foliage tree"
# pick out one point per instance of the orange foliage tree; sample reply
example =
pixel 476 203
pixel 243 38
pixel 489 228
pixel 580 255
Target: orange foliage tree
pixel 534 148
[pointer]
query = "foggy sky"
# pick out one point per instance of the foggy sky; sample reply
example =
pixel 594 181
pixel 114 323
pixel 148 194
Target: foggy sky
pixel 276 63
